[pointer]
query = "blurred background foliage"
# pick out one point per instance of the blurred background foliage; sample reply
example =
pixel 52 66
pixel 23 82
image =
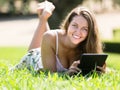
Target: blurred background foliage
pixel 14 7
pixel 23 7
pixel 28 7
pixel 17 8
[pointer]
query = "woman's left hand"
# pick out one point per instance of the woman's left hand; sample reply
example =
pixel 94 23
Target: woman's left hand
pixel 103 68
pixel 45 9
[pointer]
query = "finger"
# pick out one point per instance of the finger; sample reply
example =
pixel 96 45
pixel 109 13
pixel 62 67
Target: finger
pixel 101 68
pixel 40 8
pixel 76 69
pixel 49 7
pixel 42 5
pixel 75 63
pixel 104 66
pixel 73 71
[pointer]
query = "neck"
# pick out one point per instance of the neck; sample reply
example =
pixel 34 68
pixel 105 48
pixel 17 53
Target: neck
pixel 67 44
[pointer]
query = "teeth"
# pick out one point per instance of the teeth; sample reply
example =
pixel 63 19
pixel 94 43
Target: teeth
pixel 77 37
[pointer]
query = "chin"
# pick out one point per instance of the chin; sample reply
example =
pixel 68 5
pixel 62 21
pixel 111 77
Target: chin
pixel 77 42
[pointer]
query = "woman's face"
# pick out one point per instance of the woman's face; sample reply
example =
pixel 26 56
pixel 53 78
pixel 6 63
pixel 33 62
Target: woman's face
pixel 78 29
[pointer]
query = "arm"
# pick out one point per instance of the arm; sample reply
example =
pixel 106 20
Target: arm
pixel 49 56
pixel 36 40
pixel 44 12
pixel 48 51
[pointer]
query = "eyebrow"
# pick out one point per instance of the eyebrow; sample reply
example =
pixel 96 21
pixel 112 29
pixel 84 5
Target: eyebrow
pixel 77 24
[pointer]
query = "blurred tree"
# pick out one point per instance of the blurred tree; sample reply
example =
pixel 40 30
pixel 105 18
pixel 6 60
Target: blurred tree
pixel 2 2
pixel 25 7
pixel 116 2
pixel 62 8
pixel 11 7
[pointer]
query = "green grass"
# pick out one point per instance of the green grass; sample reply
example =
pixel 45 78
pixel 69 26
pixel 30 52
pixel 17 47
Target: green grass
pixel 24 80
pixel 115 38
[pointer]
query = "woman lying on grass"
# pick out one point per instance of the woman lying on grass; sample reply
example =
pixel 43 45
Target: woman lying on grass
pixel 59 50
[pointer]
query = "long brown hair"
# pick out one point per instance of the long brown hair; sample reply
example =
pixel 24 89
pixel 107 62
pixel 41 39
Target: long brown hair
pixel 92 44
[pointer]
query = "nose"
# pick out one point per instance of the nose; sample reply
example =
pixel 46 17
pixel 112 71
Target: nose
pixel 79 31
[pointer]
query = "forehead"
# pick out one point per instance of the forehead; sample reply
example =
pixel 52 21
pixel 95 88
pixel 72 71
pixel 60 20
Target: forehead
pixel 78 19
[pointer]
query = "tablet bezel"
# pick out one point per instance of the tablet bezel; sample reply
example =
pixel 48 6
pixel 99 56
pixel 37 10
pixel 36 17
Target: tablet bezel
pixel 89 61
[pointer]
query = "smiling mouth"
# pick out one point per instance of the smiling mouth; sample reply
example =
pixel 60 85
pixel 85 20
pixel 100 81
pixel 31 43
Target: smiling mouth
pixel 76 36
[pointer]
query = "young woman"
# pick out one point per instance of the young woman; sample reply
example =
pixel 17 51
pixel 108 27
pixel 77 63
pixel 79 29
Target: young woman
pixel 59 50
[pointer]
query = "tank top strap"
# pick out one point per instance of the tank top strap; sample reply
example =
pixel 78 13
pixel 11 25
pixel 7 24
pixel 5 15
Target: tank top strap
pixel 56 43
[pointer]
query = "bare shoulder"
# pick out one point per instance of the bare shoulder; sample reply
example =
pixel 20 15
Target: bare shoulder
pixel 51 34
pixel 49 37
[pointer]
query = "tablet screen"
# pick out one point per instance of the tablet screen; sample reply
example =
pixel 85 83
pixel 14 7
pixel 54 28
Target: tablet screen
pixel 89 61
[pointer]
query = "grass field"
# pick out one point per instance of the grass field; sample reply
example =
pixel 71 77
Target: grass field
pixel 24 80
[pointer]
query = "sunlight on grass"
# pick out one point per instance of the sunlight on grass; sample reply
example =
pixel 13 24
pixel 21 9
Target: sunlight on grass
pixel 12 55
pixel 113 60
pixel 24 80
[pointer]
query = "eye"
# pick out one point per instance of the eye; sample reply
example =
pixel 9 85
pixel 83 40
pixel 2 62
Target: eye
pixel 74 25
pixel 84 30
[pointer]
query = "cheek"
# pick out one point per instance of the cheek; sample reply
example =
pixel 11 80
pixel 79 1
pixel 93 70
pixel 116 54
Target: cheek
pixel 70 29
pixel 85 36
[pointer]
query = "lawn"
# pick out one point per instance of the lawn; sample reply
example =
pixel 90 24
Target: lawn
pixel 24 80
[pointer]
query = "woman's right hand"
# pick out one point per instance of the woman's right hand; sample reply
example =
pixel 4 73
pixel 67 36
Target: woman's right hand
pixel 74 68
pixel 45 10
